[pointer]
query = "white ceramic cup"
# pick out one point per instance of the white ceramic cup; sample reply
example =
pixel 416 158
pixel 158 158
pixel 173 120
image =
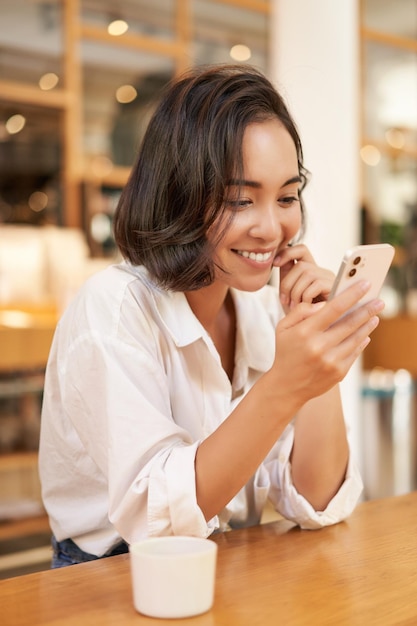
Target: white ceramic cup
pixel 173 576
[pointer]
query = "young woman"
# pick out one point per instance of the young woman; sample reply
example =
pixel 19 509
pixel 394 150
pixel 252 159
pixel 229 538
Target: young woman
pixel 182 389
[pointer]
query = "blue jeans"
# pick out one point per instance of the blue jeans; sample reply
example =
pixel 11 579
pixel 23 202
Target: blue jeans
pixel 67 552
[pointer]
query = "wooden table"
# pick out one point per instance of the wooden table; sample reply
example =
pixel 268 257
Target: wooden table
pixel 361 572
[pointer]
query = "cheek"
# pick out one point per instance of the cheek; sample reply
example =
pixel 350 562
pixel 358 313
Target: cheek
pixel 230 227
pixel 295 222
pixel 220 235
pixel 300 223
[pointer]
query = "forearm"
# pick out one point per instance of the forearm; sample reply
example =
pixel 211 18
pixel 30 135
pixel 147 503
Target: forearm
pixel 229 457
pixel 320 452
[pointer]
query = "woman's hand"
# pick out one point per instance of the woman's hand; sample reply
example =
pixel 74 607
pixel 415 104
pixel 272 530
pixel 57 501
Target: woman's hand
pixel 301 280
pixel 316 344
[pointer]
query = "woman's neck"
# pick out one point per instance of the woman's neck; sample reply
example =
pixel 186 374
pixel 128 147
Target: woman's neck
pixel 207 304
pixel 214 308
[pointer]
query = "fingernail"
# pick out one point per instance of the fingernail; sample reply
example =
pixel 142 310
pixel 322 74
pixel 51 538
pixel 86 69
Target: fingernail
pixel 365 343
pixel 374 321
pixel 365 284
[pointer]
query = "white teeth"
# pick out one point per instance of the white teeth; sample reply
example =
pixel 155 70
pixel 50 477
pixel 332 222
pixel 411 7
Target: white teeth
pixel 260 257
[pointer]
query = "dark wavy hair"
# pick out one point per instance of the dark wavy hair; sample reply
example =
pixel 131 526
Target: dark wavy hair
pixel 191 149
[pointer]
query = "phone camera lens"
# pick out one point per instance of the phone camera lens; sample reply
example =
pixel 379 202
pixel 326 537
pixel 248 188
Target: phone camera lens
pixel 357 260
pixel 352 271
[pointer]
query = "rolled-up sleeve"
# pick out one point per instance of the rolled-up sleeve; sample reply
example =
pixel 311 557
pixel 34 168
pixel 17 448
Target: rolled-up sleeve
pixel 292 505
pixel 185 516
pixel 165 490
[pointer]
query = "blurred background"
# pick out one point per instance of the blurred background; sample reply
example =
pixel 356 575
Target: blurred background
pixel 78 82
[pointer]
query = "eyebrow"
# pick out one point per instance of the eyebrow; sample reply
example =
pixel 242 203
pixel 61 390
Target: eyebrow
pixel 256 185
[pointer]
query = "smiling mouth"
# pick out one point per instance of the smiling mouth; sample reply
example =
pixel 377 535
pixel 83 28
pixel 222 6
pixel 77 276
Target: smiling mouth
pixel 259 257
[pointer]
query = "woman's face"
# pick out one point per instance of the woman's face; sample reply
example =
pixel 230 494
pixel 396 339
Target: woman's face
pixel 265 206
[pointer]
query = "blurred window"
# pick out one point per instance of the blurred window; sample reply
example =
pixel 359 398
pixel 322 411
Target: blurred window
pixel 396 17
pixel 30 41
pixel 154 18
pixel 229 34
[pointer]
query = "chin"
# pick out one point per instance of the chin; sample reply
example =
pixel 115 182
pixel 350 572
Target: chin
pixel 250 285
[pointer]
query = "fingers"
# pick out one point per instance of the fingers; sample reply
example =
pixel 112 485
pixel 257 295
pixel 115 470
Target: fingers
pixel 342 335
pixel 354 342
pixel 319 342
pixel 353 330
pixel 300 252
pixel 346 338
pixel 301 279
pixel 290 258
pixel 302 312
pixel 305 283
pixel 337 313
pixel 338 308
pixel 341 357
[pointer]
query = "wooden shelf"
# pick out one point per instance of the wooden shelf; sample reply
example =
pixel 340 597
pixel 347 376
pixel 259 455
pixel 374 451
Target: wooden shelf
pixel 26 334
pixel 20 489
pixel 23 527
pixel 18 460
pixel 393 345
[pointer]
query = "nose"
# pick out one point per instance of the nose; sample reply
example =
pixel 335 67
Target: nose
pixel 267 224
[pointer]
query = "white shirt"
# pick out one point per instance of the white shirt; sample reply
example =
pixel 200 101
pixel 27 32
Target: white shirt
pixel 133 385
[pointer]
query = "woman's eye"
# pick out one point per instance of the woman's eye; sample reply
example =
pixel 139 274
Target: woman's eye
pixel 288 200
pixel 239 203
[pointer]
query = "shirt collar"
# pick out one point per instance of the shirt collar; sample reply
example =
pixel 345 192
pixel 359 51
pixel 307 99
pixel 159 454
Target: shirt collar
pixel 171 307
pixel 177 317
pixel 255 342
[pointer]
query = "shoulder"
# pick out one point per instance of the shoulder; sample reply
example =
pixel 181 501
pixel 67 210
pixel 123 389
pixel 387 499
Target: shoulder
pixel 106 298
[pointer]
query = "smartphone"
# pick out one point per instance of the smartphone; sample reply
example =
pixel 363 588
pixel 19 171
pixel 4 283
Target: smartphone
pixel 367 262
